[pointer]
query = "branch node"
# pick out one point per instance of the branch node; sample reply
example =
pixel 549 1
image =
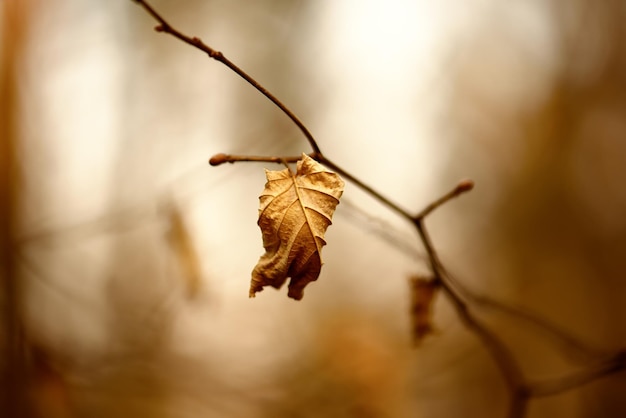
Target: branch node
pixel 160 28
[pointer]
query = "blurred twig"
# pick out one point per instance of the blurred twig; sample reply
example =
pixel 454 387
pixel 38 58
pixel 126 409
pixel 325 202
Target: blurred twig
pixel 549 387
pixel 382 229
pixel 501 354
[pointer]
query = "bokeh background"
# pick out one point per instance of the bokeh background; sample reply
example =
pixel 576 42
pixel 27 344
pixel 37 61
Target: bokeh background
pixel 126 258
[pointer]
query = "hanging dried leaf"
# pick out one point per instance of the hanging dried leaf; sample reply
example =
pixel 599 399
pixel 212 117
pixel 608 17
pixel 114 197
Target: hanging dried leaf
pixel 294 213
pixel 423 292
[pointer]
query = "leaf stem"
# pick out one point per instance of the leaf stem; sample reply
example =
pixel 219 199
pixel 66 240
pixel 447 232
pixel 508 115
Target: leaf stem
pixel 219 159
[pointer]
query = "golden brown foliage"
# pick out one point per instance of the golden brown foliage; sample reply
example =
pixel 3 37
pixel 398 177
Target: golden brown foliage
pixel 294 213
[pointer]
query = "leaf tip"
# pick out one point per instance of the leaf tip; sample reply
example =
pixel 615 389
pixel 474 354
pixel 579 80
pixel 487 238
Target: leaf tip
pixel 295 293
pixel 254 288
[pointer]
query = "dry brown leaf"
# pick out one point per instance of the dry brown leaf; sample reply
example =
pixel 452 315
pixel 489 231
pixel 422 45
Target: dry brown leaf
pixel 294 213
pixel 423 292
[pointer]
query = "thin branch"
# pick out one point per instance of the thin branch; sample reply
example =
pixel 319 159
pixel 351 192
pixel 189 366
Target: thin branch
pixel 165 27
pixel 355 180
pixel 501 354
pixel 568 341
pixel 565 339
pixel 384 230
pixel 462 187
pixel 551 387
pixel 570 344
pixel 503 357
pixel 520 390
pixel 219 159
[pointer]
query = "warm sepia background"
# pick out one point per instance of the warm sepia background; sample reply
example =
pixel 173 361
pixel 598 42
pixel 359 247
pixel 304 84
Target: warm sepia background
pixel 126 258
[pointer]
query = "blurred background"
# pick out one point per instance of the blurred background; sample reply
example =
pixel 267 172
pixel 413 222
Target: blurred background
pixel 126 258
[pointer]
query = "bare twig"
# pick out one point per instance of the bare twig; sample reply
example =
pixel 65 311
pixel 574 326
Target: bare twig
pixel 219 159
pixel 165 27
pixel 548 387
pixel 575 348
pixel 501 354
pixel 503 357
pixel 389 233
pixel 462 187
pixel 520 389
